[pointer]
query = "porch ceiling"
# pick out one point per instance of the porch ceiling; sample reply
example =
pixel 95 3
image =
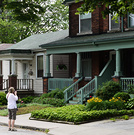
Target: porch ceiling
pixel 110 41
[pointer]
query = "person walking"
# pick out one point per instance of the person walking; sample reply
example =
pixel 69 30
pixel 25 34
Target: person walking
pixel 12 107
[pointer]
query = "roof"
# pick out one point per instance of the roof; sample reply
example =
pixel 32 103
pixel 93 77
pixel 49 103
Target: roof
pixel 4 46
pixel 33 42
pixel 90 39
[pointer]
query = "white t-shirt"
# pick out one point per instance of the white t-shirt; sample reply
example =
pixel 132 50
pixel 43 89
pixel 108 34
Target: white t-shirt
pixel 11 101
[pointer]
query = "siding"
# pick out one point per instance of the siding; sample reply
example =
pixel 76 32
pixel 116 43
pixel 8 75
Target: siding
pixel 64 59
pixel 5 69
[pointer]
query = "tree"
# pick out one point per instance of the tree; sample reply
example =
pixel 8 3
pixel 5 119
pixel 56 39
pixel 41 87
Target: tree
pixel 55 17
pixel 118 7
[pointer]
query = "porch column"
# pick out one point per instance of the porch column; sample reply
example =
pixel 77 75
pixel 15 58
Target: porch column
pixel 78 68
pixel 118 64
pixel 47 73
pixel 13 67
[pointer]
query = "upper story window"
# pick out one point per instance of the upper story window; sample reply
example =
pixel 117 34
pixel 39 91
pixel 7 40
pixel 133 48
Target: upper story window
pixel 85 23
pixel 39 65
pixel 131 20
pixel 113 25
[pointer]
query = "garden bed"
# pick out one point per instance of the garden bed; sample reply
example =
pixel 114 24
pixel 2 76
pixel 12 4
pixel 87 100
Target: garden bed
pixel 76 114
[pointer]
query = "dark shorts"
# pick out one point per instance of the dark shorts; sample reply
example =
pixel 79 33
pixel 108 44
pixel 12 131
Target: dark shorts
pixel 12 113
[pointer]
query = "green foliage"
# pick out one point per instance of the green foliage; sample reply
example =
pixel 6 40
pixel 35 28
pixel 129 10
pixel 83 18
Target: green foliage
pixel 108 90
pixel 76 114
pixel 130 89
pixel 130 104
pixel 51 101
pixel 58 93
pixel 27 99
pixel 122 95
pixel 120 7
pixel 3 100
pixel 104 105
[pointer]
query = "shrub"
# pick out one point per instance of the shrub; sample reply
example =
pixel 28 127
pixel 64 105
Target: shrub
pixel 51 101
pixel 98 104
pixel 122 95
pixel 3 100
pixel 58 93
pixel 130 104
pixel 108 90
pixel 27 99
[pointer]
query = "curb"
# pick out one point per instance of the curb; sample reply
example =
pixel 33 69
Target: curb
pixel 25 127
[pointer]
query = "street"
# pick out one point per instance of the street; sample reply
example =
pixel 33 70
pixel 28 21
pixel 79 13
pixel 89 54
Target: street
pixel 4 131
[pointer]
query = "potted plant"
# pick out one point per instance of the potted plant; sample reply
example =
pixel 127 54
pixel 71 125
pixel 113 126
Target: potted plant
pixel 61 66
pixel 131 90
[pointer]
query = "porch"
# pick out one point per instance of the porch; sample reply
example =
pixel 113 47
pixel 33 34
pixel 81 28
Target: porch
pixel 24 87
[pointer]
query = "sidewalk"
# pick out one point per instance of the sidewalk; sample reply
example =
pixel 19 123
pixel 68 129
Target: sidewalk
pixel 105 127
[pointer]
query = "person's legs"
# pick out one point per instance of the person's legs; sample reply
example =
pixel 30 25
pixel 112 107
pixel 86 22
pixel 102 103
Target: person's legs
pixel 9 124
pixel 13 119
pixel 10 117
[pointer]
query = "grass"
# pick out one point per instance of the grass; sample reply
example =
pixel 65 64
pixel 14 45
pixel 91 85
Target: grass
pixel 24 110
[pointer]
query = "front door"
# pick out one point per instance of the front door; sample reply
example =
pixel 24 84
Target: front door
pixel 25 76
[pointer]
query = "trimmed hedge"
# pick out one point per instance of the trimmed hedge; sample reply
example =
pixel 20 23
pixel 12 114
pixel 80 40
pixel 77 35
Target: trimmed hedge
pixel 76 114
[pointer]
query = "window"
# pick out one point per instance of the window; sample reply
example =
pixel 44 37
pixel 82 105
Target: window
pixel 85 23
pixel 131 20
pixel 113 25
pixel 40 66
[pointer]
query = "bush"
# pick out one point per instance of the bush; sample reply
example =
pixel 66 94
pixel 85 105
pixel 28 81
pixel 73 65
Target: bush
pixel 27 99
pixel 51 101
pixel 108 90
pixel 122 95
pixel 3 100
pixel 98 104
pixel 58 93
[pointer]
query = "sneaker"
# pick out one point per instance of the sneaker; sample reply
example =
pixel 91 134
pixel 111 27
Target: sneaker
pixel 9 129
pixel 13 129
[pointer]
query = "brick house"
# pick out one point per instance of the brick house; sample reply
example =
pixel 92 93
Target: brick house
pixel 98 49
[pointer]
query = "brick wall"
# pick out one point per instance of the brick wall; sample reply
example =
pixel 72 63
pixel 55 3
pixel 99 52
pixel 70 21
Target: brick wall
pixel 99 24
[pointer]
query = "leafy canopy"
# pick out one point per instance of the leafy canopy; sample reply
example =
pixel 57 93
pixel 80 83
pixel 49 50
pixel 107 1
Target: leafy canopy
pixel 118 7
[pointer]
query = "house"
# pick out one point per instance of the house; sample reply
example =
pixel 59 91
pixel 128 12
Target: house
pixel 99 50
pixel 23 64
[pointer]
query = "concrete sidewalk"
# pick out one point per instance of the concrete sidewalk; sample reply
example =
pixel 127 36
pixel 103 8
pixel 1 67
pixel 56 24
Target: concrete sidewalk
pixel 105 127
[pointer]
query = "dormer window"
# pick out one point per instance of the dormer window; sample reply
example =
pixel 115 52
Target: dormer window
pixel 85 23
pixel 131 20
pixel 113 25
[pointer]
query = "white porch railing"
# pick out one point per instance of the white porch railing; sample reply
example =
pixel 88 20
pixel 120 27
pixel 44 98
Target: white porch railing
pixel 60 83
pixel 24 84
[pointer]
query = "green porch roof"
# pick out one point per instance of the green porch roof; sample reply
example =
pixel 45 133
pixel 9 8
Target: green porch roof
pixel 15 51
pixel 91 39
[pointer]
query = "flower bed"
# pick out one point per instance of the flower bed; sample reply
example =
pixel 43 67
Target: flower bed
pixel 77 114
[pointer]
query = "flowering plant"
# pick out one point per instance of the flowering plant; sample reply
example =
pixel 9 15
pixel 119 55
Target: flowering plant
pixel 116 99
pixel 94 99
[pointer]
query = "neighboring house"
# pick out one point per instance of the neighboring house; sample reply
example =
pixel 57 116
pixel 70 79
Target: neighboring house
pixel 24 62
pixel 98 49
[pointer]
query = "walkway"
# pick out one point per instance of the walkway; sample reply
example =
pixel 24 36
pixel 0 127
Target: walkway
pixel 105 127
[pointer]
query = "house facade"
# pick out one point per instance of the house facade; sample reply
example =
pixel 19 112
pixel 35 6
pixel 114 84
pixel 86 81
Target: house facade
pixel 23 64
pixel 99 50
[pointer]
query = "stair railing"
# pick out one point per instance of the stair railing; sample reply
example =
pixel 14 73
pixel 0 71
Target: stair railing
pixel 86 90
pixel 71 90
